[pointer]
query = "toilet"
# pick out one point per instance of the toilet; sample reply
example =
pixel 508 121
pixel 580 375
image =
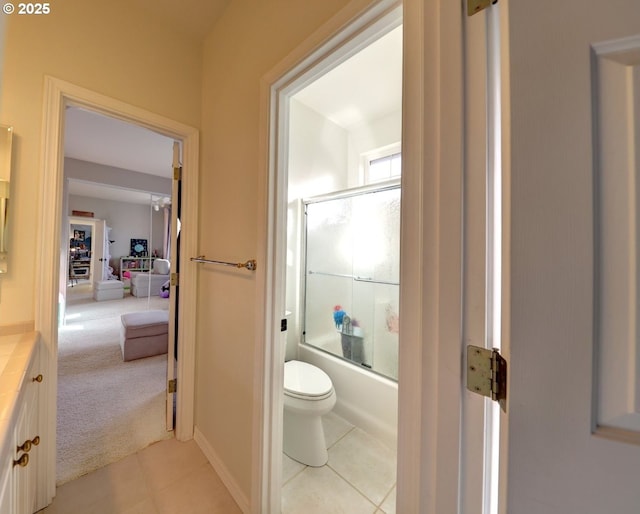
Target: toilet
pixel 308 395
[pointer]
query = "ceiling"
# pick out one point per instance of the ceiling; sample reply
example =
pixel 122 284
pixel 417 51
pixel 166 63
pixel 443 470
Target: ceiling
pixel 194 17
pixel 93 137
pixel 366 87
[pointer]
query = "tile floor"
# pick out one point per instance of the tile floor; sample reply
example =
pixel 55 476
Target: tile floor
pixel 360 476
pixel 166 477
pixel 175 477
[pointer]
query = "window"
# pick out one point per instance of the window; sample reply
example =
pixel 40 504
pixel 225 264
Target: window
pixel 383 164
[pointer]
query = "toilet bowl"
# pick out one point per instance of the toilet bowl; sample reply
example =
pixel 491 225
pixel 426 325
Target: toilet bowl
pixel 308 394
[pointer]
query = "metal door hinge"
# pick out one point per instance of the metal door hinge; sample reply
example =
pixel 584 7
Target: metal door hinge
pixel 475 6
pixel 175 279
pixel 177 173
pixel 172 386
pixel 487 374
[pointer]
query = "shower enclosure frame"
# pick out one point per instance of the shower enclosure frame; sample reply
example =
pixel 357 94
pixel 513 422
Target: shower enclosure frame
pixel 378 187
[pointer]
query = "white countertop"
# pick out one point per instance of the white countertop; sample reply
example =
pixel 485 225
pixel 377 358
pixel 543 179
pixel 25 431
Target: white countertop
pixel 7 345
pixel 16 352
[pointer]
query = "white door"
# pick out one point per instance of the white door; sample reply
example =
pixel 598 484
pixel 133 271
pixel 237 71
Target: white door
pixel 555 458
pixel 99 259
pixel 174 258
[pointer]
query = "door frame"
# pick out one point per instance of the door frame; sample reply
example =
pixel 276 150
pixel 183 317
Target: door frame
pixel 430 360
pixel 432 473
pixel 75 220
pixel 59 94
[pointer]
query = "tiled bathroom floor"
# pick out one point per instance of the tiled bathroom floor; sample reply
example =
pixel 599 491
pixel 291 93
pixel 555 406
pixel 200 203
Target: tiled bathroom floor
pixel 166 477
pixel 360 476
pixel 175 477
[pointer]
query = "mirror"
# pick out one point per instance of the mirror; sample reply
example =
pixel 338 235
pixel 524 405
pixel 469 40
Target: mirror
pixel 6 136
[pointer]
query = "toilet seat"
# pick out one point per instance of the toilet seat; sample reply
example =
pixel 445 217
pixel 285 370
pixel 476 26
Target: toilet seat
pixel 305 381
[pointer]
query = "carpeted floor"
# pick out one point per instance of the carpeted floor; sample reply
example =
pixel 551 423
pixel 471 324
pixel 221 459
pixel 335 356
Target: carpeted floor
pixel 107 408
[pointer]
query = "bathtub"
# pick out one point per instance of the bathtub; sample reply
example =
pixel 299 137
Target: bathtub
pixel 365 399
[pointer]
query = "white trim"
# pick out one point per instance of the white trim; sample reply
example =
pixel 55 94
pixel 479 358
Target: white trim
pixel 505 108
pixel 414 445
pixel 493 307
pixel 383 151
pixel 475 261
pixel 373 155
pixel 57 95
pixel 430 386
pixel 218 465
pixel 615 375
pixel 342 36
pixel 617 46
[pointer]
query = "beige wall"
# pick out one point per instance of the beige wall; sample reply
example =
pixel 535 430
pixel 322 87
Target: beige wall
pixel 249 41
pixel 116 50
pixel 108 47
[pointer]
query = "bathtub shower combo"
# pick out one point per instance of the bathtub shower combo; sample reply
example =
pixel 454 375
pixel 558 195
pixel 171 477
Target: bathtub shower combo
pixel 351 277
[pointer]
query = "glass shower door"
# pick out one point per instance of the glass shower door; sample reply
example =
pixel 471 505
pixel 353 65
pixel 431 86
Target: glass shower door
pixel 352 277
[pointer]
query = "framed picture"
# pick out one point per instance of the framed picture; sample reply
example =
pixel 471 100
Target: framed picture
pixel 139 248
pixel 78 235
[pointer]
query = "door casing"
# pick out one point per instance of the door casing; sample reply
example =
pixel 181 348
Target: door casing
pixel 58 95
pixel 430 386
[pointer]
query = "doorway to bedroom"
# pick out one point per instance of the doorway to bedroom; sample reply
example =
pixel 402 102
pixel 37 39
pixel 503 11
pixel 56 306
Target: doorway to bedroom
pixel 117 242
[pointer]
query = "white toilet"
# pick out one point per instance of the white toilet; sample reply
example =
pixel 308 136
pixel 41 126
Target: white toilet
pixel 308 394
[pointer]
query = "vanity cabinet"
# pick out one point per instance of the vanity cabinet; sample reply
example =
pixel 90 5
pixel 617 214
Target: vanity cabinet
pixel 6 493
pixel 20 449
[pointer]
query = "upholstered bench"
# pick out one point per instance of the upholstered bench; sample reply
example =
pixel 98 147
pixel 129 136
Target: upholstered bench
pixel 144 334
pixel 108 290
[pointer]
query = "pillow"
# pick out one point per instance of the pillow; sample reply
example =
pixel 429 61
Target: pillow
pixel 161 266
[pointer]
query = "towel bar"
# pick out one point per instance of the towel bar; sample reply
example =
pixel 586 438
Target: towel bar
pixel 251 265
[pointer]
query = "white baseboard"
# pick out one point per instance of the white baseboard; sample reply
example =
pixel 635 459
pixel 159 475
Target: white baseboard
pixel 221 470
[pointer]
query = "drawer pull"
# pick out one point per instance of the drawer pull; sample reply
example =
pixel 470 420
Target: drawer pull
pixel 22 461
pixel 26 446
pixel 38 378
